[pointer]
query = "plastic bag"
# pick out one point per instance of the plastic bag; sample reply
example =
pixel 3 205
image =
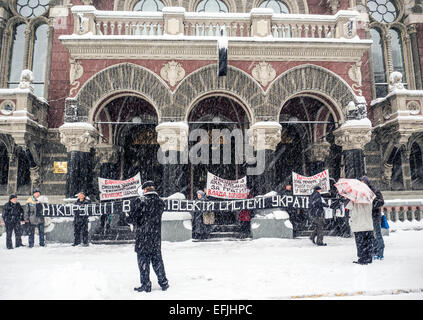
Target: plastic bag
pixel 384 222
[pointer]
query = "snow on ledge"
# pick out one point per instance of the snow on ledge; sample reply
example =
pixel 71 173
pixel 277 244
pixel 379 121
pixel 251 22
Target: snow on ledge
pixel 365 122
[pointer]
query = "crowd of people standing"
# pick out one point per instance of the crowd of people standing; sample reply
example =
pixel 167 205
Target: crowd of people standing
pixel 364 218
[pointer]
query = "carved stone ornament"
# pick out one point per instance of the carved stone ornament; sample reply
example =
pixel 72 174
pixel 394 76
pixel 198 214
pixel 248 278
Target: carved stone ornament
pixel 333 5
pixel 76 72
pixel 265 135
pixel 78 136
pixel 264 73
pixel 172 72
pixel 35 176
pixel 83 23
pixel 355 75
pixel 172 136
pixel 387 112
pixel 395 81
pixel 107 153
pixel 173 26
pixel 27 80
pixel 319 151
pixel 387 173
pixel 413 107
pixel 262 28
pixel 353 137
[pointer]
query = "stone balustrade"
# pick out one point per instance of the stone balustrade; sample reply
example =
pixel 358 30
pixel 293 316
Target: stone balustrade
pixel 408 213
pixel 175 21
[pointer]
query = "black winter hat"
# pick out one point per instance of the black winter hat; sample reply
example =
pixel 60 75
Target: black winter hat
pixel 12 196
pixel 36 190
pixel 148 184
pixel 317 188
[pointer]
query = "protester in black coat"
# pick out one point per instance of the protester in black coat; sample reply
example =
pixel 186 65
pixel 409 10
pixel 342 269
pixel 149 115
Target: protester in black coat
pixel 80 222
pixel 378 202
pixel 316 211
pixel 147 219
pixel 12 217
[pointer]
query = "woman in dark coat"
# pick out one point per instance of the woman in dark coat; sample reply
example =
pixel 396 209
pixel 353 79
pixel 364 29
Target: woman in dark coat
pixel 12 217
pixel 316 211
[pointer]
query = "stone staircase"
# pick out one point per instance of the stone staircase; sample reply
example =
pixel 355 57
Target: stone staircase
pixel 220 232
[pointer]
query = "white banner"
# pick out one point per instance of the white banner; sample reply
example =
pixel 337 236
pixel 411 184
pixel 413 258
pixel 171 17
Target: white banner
pixel 226 189
pixel 118 189
pixel 304 185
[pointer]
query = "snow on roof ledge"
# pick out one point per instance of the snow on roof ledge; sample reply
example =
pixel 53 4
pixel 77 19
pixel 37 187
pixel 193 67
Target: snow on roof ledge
pixel 173 10
pixel 411 93
pixel 79 125
pixel 365 122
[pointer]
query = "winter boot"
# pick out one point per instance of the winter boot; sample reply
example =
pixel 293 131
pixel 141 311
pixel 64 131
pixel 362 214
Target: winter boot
pixel 165 287
pixel 143 288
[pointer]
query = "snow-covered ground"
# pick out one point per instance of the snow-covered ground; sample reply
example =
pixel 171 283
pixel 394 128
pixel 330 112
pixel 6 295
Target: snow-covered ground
pixel 257 269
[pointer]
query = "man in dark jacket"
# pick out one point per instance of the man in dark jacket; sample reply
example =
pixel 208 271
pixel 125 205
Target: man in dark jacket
pixel 12 217
pixel 147 219
pixel 378 202
pixel 316 211
pixel 80 222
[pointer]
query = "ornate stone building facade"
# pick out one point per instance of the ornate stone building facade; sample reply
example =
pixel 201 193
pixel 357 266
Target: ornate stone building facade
pixel 99 86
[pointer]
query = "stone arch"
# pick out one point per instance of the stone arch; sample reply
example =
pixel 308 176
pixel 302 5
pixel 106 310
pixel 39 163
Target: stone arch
pixel 295 6
pixel 312 79
pixel 122 78
pixel 204 81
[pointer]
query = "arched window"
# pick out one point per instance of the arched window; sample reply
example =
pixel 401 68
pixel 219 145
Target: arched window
pixel 212 6
pixel 149 5
pixel 32 8
pixel 39 58
pixel 17 56
pixel 379 68
pixel 27 44
pixel 386 17
pixel 384 11
pixel 277 6
pixel 397 51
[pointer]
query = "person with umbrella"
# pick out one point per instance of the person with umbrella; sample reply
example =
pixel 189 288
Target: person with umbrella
pixel 360 209
pixel 378 243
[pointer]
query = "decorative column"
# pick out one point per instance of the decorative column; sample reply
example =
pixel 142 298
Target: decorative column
pixel 317 154
pixel 352 136
pixel 12 180
pixel 405 167
pixel 107 156
pixel 79 138
pixel 412 31
pixel 264 137
pixel 173 155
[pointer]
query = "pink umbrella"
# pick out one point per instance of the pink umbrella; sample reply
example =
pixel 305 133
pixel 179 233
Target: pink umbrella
pixel 355 190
